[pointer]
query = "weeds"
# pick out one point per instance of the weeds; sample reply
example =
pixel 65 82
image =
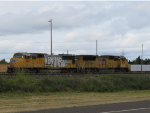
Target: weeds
pixel 26 83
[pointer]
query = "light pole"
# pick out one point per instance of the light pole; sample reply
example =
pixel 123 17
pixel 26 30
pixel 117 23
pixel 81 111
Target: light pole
pixel 96 47
pixel 142 59
pixel 50 21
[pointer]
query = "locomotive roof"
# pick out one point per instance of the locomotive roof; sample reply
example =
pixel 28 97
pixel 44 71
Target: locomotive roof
pixel 62 55
pixel 25 53
pixel 66 54
pixel 112 56
pixel 28 54
pixel 87 55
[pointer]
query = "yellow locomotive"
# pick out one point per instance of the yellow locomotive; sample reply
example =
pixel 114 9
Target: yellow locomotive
pixel 35 62
pixel 26 61
pixel 102 63
pixel 115 63
pixel 66 62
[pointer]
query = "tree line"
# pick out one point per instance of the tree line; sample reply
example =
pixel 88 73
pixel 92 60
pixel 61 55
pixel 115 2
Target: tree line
pixel 138 60
pixel 3 61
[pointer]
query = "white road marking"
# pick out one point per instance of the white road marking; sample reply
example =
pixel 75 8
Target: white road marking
pixel 126 110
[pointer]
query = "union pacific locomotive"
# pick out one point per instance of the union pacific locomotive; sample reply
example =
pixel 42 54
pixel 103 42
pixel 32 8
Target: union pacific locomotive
pixel 36 62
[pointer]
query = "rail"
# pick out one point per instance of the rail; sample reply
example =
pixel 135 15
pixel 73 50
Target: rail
pixel 73 74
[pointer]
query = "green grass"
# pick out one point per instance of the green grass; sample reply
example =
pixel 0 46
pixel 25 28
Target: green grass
pixel 24 93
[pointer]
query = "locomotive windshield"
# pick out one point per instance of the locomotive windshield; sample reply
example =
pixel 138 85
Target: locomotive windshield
pixel 28 55
pixel 18 55
pixel 113 57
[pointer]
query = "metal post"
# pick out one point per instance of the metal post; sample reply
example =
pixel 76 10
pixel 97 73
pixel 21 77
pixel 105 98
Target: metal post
pixel 123 52
pixel 142 59
pixel 51 34
pixel 96 47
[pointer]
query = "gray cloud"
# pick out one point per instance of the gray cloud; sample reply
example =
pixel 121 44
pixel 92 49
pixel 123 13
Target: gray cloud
pixel 118 26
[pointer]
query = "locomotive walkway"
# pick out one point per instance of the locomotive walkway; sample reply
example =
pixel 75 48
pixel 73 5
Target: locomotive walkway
pixel 128 107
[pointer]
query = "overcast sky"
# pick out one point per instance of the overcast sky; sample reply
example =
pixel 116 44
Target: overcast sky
pixel 119 27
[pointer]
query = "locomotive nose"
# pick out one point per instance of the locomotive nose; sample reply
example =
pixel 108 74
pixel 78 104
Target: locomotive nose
pixel 12 61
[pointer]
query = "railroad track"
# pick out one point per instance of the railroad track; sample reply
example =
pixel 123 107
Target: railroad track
pixel 73 74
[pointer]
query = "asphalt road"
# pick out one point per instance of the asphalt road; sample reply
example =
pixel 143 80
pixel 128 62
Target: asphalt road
pixel 128 107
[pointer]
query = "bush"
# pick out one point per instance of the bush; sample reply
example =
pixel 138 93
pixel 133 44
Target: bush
pixel 26 83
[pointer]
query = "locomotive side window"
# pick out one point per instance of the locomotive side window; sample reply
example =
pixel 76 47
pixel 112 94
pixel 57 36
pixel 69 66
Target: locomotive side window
pixel 35 55
pixel 40 55
pixel 27 57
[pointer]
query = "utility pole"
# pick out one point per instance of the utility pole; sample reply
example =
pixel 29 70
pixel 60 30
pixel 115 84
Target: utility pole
pixel 50 21
pixel 96 47
pixel 122 52
pixel 142 59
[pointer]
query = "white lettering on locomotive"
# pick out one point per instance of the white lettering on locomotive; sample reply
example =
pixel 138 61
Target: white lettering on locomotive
pixel 55 61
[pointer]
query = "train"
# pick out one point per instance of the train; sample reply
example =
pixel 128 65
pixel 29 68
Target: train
pixel 42 62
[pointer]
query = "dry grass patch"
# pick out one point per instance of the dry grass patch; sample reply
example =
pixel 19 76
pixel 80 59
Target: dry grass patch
pixel 31 101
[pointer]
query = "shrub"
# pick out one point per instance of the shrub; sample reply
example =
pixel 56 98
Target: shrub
pixel 26 83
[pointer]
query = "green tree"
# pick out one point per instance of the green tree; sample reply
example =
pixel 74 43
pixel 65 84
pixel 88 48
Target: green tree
pixel 138 61
pixel 3 61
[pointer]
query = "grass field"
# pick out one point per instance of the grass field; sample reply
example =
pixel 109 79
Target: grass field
pixel 25 93
pixel 16 102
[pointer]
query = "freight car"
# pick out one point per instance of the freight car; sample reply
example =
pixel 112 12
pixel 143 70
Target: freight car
pixel 35 62
pixel 3 68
